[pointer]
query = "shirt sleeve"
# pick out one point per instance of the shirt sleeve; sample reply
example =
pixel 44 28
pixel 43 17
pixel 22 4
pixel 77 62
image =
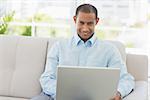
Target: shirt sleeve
pixel 126 82
pixel 48 78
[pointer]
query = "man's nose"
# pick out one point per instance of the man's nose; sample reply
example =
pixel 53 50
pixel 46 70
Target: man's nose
pixel 85 28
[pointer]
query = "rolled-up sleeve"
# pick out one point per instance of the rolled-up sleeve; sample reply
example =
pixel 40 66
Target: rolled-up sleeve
pixel 126 82
pixel 48 78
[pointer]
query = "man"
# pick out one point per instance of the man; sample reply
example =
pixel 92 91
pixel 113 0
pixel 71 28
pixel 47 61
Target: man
pixel 84 49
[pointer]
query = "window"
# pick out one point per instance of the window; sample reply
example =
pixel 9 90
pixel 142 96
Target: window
pixel 125 20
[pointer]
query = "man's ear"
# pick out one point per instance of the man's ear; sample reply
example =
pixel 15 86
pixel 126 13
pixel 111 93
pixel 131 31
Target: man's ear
pixel 75 18
pixel 97 20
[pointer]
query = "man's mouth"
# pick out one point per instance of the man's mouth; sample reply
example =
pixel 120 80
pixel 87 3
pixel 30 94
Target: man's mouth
pixel 85 33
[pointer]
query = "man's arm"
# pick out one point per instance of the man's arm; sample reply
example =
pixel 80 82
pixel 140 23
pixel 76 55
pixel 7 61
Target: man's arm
pixel 48 78
pixel 126 82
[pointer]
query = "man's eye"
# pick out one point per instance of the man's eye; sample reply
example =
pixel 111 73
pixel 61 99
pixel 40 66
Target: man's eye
pixel 81 23
pixel 91 23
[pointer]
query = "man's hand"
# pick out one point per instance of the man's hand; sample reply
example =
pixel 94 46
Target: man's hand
pixel 117 96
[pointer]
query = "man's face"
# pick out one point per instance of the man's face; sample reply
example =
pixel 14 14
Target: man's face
pixel 85 24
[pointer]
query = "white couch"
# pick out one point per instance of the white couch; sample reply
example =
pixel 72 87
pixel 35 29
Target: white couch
pixel 22 61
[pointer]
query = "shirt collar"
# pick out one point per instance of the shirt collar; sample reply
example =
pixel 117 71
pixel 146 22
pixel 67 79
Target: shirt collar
pixel 89 42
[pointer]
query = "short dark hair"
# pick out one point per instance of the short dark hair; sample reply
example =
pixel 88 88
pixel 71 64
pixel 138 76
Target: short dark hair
pixel 87 8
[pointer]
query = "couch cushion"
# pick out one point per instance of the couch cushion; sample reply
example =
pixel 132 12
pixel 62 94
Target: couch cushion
pixel 11 98
pixel 138 66
pixel 22 60
pixel 140 92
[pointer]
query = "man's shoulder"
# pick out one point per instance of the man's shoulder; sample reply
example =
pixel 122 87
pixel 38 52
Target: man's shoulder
pixel 106 43
pixel 61 42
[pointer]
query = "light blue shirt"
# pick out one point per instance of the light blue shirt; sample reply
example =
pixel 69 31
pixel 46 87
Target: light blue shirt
pixel 93 52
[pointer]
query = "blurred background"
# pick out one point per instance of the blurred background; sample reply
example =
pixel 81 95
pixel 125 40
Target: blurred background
pixel 127 21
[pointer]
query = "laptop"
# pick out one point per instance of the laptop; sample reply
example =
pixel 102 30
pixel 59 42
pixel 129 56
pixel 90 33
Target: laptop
pixel 86 83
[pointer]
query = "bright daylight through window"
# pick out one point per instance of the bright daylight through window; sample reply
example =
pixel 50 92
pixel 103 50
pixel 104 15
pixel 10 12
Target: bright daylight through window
pixel 123 20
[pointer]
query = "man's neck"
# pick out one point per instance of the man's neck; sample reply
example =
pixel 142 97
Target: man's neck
pixel 86 39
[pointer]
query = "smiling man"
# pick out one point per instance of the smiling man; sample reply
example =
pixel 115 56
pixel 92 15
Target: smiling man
pixel 84 49
pixel 85 24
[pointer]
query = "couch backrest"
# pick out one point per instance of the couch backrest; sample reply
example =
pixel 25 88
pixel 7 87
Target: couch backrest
pixel 137 65
pixel 22 60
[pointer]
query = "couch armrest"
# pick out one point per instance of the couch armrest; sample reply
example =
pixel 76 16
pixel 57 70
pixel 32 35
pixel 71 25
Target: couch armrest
pixel 140 91
pixel 137 65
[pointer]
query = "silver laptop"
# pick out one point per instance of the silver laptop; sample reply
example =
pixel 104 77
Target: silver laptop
pixel 86 83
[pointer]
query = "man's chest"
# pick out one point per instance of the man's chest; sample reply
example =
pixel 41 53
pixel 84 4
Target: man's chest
pixel 83 57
